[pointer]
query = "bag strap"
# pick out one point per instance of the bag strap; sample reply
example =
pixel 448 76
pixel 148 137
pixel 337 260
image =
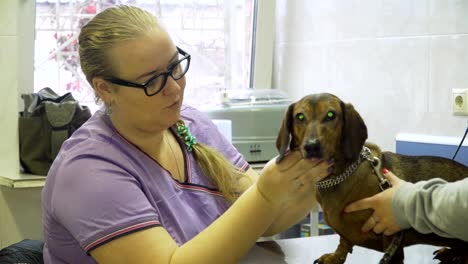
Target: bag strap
pixel 59 117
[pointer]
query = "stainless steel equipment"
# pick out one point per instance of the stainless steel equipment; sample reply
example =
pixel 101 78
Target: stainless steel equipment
pixel 256 118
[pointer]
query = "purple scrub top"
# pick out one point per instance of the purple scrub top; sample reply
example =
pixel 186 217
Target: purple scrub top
pixel 101 187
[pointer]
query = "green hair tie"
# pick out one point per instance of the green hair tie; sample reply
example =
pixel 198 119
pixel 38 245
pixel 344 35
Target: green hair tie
pixel 184 134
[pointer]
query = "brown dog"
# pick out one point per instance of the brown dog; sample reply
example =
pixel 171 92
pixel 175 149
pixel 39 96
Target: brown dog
pixel 322 126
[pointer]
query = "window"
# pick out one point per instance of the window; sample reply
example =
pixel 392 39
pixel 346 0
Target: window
pixel 218 35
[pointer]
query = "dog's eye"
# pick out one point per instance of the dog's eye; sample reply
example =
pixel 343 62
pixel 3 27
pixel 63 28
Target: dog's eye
pixel 330 116
pixel 300 117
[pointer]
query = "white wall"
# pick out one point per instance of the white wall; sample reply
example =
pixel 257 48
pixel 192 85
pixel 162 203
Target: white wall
pixel 9 67
pixel 396 61
pixel 20 214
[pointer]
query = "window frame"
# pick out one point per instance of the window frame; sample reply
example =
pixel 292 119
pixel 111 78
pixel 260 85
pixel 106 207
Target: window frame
pixel 263 36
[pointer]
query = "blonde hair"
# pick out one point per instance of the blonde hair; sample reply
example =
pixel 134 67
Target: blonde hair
pixel 117 24
pixel 107 29
pixel 219 170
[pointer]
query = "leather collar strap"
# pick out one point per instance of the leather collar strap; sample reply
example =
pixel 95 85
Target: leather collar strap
pixel 392 248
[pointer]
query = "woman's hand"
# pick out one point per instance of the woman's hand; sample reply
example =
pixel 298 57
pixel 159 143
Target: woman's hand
pixel 291 177
pixel 382 220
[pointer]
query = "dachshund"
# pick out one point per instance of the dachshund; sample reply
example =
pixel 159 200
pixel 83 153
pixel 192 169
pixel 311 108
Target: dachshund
pixel 323 126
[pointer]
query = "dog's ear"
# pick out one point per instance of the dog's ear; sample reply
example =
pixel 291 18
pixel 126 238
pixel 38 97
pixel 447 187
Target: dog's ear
pixel 284 134
pixel 354 132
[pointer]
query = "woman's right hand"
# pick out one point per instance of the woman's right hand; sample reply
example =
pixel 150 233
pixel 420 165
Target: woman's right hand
pixel 291 177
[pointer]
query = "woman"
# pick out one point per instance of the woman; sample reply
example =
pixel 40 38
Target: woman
pixel 150 180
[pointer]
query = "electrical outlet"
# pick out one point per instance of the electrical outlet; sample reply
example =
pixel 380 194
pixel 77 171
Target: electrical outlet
pixel 460 101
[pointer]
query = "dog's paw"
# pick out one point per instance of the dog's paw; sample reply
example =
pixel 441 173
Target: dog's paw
pixel 318 261
pixel 452 256
pixel 331 258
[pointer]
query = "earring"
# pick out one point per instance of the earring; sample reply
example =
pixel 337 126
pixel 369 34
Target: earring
pixel 109 108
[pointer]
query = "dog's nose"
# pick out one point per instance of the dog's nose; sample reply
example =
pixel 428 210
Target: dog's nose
pixel 312 148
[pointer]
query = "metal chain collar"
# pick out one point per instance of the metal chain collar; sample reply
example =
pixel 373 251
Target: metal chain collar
pixel 325 184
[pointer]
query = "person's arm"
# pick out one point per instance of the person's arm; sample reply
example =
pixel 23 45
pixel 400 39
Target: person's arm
pixel 226 240
pixel 433 206
pixel 293 211
pixel 298 206
pixel 230 236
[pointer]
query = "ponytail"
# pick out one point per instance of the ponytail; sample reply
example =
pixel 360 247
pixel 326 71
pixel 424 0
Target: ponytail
pixel 221 172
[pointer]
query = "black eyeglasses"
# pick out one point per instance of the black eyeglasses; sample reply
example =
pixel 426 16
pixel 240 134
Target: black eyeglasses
pixel 156 83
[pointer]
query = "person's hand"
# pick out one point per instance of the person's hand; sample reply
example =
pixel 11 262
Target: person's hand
pixel 292 176
pixel 382 220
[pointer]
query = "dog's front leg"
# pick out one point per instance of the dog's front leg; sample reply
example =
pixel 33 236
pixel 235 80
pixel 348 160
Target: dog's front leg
pixel 339 256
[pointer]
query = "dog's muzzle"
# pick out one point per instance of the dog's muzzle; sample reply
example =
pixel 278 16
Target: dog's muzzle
pixel 312 148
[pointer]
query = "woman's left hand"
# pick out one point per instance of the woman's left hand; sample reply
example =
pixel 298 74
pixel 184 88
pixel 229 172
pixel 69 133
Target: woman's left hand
pixel 301 180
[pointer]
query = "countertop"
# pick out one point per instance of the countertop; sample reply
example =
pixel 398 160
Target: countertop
pixel 306 250
pixel 22 180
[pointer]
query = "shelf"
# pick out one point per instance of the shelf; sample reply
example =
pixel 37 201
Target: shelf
pixel 257 167
pixel 21 180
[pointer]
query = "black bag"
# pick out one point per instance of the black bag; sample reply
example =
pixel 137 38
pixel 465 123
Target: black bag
pixel 46 122
pixel 26 251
